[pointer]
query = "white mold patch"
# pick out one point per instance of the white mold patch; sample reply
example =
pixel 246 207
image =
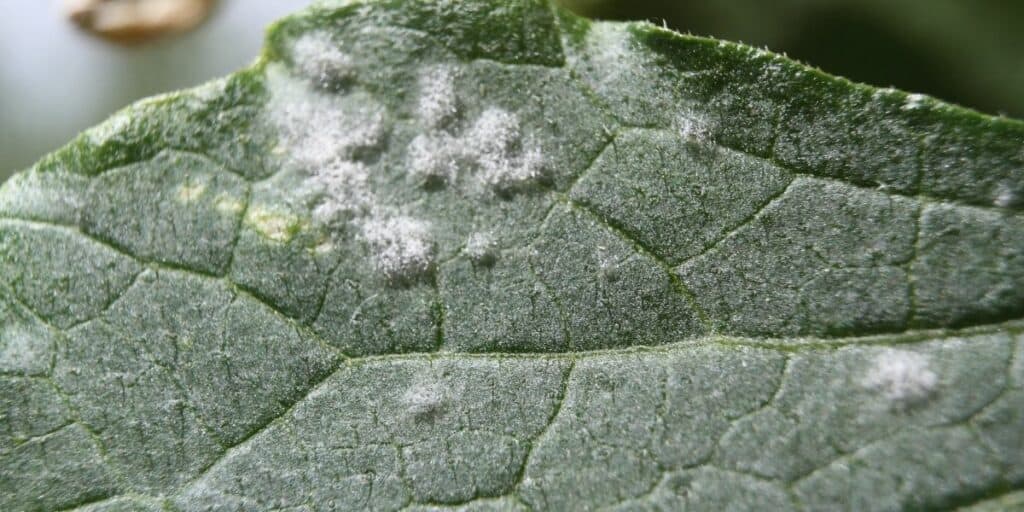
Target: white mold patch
pixel 504 173
pixel 22 350
pixel 494 133
pixel 316 128
pixel 481 248
pixel 694 129
pixel 613 50
pixel 402 246
pixel 493 149
pixel 340 192
pixel 318 57
pixel 902 377
pixel 115 126
pixel 438 103
pixel 431 159
pixel 423 399
pixel 505 160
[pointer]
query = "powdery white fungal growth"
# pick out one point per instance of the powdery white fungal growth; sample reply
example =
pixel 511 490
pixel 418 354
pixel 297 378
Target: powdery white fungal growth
pixel 402 246
pixel 432 159
pixel 613 50
pixel 317 128
pixel 318 57
pixel 493 147
pixel 438 103
pixel 496 143
pixel 902 377
pixel 694 129
pixel 608 265
pixel 504 174
pixel 423 398
pixel 495 132
pixel 112 127
pixel 481 248
pixel 19 348
pixel 340 192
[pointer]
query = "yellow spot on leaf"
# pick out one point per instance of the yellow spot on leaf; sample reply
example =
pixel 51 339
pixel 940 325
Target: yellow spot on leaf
pixel 190 192
pixel 277 226
pixel 228 205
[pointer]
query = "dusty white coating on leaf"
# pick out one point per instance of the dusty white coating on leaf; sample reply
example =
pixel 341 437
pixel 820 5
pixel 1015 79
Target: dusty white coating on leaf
pixel 505 159
pixel 694 129
pixel 318 57
pixel 493 148
pixel 431 159
pixel 402 246
pixel 613 49
pixel 902 377
pixel 228 205
pixel 116 125
pixel 317 128
pixel 423 398
pixel 20 350
pixel 438 103
pixel 340 192
pixel 481 247
pixel 321 136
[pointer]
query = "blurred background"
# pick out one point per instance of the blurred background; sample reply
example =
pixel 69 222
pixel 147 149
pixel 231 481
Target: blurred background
pixel 56 80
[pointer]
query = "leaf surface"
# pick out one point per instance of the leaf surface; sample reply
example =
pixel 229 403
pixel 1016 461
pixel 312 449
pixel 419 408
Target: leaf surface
pixel 486 255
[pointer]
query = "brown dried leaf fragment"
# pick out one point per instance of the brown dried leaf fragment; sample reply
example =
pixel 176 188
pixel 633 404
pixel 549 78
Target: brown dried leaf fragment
pixel 137 21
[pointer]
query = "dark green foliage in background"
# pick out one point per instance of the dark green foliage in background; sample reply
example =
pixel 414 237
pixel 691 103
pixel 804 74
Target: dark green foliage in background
pixel 964 52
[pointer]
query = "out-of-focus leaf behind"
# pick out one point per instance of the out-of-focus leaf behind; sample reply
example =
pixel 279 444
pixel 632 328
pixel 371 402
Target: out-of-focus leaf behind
pixel 963 52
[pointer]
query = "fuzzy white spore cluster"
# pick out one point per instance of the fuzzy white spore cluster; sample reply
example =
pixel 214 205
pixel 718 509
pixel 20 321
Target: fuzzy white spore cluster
pixel 613 50
pixel 694 129
pixel 505 159
pixel 318 128
pixel 493 147
pixel 402 246
pixel 438 103
pixel 481 248
pixel 340 192
pixel 902 377
pixel 318 57
pixel 423 398
pixel 323 135
pixel 431 159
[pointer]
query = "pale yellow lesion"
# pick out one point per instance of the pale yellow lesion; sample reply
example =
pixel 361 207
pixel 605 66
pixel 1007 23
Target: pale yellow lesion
pixel 228 205
pixel 191 192
pixel 274 224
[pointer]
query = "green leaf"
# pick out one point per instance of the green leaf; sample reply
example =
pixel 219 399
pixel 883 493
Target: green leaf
pixel 487 255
